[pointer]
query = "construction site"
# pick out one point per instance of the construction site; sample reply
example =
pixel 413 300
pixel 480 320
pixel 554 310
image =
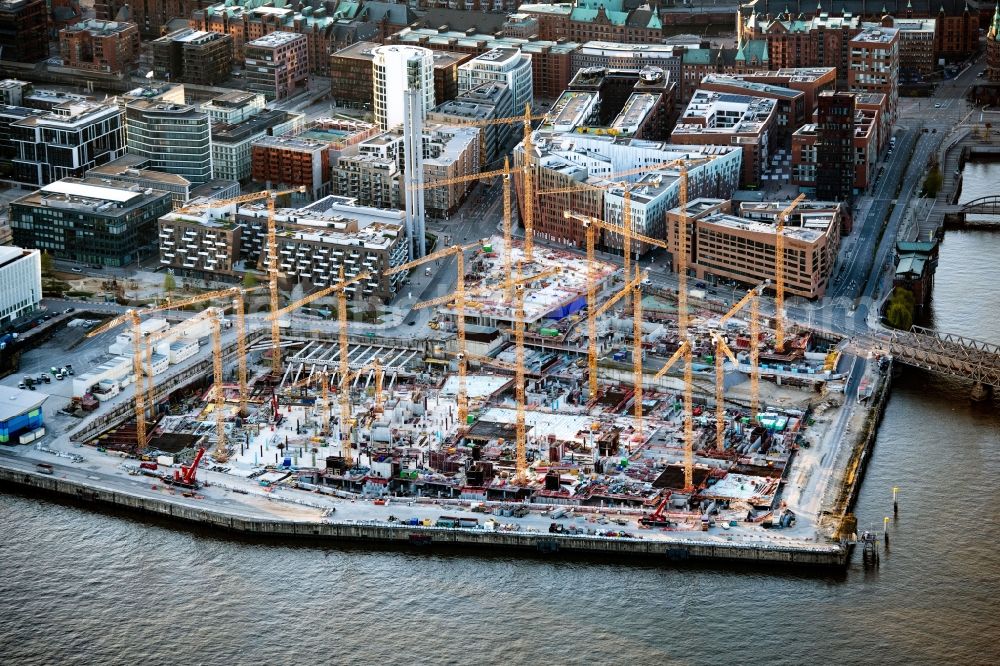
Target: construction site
pixel 553 391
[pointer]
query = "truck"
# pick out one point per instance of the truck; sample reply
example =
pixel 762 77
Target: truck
pixel 88 402
pixel 6 339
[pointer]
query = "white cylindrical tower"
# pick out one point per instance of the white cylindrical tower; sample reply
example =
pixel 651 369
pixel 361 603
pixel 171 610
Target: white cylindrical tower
pixel 396 69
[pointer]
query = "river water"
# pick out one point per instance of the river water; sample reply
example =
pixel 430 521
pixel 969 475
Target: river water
pixel 86 588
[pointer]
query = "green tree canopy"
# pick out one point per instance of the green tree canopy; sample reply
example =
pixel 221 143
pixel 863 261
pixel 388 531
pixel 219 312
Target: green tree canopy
pixel 933 182
pixel 48 263
pixel 900 310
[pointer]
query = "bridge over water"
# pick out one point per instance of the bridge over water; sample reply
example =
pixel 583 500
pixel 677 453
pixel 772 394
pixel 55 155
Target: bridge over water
pixel 956 215
pixel 947 353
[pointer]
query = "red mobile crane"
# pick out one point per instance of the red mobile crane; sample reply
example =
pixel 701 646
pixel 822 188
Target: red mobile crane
pixel 657 519
pixel 185 476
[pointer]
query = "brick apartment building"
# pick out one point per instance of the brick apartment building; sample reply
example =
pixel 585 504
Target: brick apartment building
pixel 875 65
pixel 149 15
pixel 277 64
pixel 249 20
pixel 102 46
pixel 836 155
pixel 793 109
pixel 290 162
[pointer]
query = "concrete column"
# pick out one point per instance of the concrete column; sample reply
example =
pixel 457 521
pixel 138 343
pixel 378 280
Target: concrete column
pixel 981 392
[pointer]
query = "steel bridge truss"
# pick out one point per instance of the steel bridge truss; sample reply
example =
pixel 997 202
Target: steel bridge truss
pixel 947 353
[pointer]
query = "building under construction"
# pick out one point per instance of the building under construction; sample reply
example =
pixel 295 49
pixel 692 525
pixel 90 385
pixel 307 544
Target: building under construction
pixel 687 414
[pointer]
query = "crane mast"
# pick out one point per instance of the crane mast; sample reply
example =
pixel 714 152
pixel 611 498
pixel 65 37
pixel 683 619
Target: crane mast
pixel 528 184
pixel 272 275
pixel 507 222
pixel 779 274
pixel 140 406
pixel 722 351
pixel 682 295
pixel 591 231
pixel 218 393
pixel 345 387
pixel 379 380
pixel 462 398
pixel 241 349
pixel 521 464
pixel 627 231
pixel 637 349
pixel 688 419
pixel 325 413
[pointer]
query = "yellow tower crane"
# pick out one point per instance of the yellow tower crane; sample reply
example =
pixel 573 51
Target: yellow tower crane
pixel 754 357
pixel 527 174
pixel 685 351
pixel 594 314
pixel 149 342
pixel 133 316
pixel 617 180
pixel 520 442
pixel 508 223
pixel 507 173
pixel 779 274
pixel 272 258
pixel 637 350
pixel 591 225
pixel 752 298
pixel 325 397
pixel 521 465
pixel 681 258
pixel 241 349
pixel 221 453
pixel 722 351
pixel 140 401
pixel 323 377
pixel 379 380
pixel 333 289
pixel 345 372
pixel 459 299
pixel 339 290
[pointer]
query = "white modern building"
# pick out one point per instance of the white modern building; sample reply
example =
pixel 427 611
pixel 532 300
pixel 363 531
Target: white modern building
pixel 502 65
pixel 234 107
pixel 73 137
pixel 21 277
pixel 175 138
pixel 395 70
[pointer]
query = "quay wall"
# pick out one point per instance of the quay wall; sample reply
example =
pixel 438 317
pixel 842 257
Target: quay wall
pixel 854 474
pixel 819 556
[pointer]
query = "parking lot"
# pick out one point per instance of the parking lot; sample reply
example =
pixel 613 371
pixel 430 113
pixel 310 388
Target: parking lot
pixel 67 345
